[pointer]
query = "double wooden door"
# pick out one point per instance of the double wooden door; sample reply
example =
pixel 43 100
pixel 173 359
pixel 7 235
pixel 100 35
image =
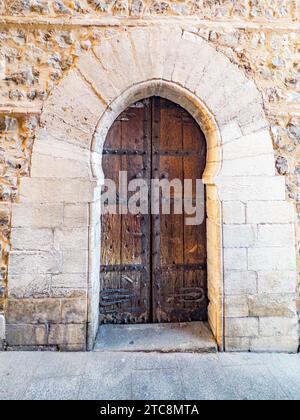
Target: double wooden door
pixel 153 266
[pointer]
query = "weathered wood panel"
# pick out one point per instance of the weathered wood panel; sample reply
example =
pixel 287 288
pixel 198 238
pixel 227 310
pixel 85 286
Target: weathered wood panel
pixel 154 266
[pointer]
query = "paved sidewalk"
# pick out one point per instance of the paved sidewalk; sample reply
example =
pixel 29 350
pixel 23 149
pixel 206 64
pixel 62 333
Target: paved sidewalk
pixel 148 376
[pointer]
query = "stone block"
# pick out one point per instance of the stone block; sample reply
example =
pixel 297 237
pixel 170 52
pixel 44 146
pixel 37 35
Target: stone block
pixel 234 212
pixel 240 283
pixel 239 236
pixel 270 212
pixel 75 261
pixel 275 235
pixel 37 215
pixel 35 262
pixel 33 311
pixel 31 239
pixel 76 101
pixel 236 306
pixel 26 335
pixel 269 258
pixel 276 282
pixel 274 344
pixel 67 334
pixel 249 188
pixel 21 286
pixel 69 281
pixel 241 327
pixel 279 327
pixel 92 70
pixel 71 238
pixel 59 190
pixel 76 215
pixel 255 145
pixel 249 166
pixel 45 166
pixel 235 259
pixel 186 60
pixel 272 305
pixel 237 344
pixel 50 146
pixel 74 311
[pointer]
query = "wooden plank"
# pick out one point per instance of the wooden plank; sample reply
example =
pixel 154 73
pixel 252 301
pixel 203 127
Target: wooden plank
pixel 125 294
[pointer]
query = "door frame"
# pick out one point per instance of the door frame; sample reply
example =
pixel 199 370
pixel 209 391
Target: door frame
pixel 210 128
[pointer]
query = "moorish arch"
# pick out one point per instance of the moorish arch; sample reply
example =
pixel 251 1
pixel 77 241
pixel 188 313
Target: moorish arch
pixel 54 276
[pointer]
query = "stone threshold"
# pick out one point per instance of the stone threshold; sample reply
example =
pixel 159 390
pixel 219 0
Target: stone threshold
pixel 193 337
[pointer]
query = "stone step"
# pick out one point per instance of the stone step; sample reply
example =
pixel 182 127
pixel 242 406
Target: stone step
pixel 193 337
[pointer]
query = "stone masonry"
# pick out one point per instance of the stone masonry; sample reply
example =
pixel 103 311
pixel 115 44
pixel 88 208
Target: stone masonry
pixel 67 68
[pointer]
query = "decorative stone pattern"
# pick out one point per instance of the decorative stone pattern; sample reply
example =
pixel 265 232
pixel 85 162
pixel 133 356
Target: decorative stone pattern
pixel 34 59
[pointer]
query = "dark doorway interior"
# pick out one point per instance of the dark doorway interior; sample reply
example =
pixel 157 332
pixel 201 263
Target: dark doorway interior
pixel 153 267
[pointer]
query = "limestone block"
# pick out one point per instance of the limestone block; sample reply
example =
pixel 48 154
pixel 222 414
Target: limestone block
pixel 240 283
pixel 278 327
pixel 107 57
pixel 271 258
pixel 26 335
pixel 60 190
pixel 32 239
pixel 239 236
pixel 74 311
pixel 230 131
pixel 242 327
pixel 235 259
pixel 35 262
pixel 75 261
pixel 71 238
pixel 37 215
pixel 93 71
pixel 66 334
pixel 272 305
pixel 45 166
pixel 234 212
pixel 158 46
pixel 21 286
pixel 73 111
pixel 275 344
pixel 251 188
pixel 236 306
pixel 255 144
pixel 48 145
pixel 33 311
pixel 237 344
pixel 75 215
pixel 2 328
pixel 171 54
pixel 141 39
pixel 275 235
pixel 133 53
pixel 277 282
pixel 270 212
pixel 189 50
pixel 253 165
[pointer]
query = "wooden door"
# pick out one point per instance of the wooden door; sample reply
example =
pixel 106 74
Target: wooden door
pixel 153 266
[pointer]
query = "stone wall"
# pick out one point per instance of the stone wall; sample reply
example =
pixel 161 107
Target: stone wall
pixel 40 41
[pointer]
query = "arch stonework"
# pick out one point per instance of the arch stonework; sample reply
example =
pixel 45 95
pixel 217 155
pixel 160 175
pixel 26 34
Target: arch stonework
pixel 54 260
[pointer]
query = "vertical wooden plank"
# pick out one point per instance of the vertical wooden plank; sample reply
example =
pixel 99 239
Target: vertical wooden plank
pixel 125 295
pixel 182 293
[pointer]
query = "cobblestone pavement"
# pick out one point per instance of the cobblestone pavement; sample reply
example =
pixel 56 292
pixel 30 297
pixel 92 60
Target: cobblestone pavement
pixel 139 376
